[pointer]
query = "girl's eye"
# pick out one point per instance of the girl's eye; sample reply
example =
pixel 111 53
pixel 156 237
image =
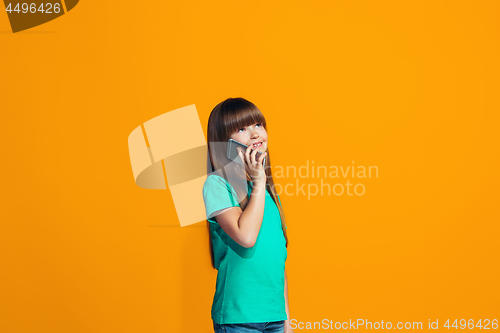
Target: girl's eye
pixel 258 124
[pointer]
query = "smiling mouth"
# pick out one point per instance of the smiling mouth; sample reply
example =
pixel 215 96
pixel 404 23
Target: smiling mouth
pixel 257 145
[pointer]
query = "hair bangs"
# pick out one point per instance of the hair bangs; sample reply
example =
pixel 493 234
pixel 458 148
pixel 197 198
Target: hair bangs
pixel 241 114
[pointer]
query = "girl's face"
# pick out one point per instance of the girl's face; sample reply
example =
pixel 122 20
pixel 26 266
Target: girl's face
pixel 250 135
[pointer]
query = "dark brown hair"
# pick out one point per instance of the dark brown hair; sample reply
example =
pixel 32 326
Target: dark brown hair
pixel 227 117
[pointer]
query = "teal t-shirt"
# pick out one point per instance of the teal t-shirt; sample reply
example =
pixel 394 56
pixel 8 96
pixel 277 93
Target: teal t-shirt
pixel 250 286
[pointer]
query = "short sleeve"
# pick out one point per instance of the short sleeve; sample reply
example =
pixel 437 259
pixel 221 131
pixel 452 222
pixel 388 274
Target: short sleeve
pixel 218 194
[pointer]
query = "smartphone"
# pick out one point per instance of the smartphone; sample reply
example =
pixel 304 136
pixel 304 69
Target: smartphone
pixel 232 153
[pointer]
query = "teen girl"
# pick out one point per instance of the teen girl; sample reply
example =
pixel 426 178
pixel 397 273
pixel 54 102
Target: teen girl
pixel 247 225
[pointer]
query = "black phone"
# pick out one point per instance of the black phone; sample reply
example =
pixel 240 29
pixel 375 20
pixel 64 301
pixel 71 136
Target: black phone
pixel 232 153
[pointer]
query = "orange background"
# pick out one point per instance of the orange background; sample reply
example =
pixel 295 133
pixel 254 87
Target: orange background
pixel 411 87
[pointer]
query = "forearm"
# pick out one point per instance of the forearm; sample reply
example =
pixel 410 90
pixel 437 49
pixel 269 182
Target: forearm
pixel 287 322
pixel 250 220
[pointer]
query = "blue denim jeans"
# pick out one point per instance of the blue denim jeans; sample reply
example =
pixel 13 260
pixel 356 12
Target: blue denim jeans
pixel 269 327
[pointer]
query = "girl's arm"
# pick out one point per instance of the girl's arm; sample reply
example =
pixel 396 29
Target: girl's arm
pixel 243 226
pixel 288 327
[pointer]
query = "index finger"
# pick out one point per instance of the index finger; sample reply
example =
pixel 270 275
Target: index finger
pixel 240 154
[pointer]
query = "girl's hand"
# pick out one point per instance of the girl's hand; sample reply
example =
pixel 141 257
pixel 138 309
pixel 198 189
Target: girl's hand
pixel 288 327
pixel 253 167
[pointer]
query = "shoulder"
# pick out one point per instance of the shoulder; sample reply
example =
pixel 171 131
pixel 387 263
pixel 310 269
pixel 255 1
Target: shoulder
pixel 215 183
pixel 218 194
pixel 214 180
